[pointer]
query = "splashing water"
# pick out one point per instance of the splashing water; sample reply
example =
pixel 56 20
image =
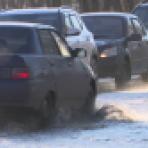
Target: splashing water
pixel 130 104
pixel 121 113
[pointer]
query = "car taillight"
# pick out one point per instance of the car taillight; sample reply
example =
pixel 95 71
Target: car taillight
pixel 20 74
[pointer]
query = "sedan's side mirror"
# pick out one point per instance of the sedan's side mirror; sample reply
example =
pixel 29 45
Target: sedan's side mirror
pixel 79 52
pixel 135 37
pixel 72 32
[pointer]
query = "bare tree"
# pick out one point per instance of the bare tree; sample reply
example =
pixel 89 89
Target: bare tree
pixel 84 5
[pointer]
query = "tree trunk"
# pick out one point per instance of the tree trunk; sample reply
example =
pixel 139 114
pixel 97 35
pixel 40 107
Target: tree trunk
pixel 84 5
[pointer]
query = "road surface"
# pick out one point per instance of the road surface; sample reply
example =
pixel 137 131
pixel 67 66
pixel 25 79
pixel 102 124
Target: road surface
pixel 122 121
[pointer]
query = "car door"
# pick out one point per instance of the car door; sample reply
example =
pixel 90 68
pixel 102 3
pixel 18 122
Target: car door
pixel 73 40
pixel 85 37
pixel 136 49
pixel 79 40
pixel 71 79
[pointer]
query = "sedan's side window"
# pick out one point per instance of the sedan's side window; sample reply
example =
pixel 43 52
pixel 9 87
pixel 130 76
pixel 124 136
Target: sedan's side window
pixel 75 22
pixel 68 22
pixel 47 42
pixel 64 50
pixel 80 21
pixel 143 28
pixel 131 29
pixel 137 26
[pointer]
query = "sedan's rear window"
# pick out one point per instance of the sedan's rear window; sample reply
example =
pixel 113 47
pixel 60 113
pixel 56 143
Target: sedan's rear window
pixel 16 40
pixel 45 18
pixel 142 13
pixel 105 26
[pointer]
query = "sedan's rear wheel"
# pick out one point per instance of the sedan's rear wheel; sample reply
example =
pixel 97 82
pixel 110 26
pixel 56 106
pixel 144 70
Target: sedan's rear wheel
pixel 123 75
pixel 144 77
pixel 47 109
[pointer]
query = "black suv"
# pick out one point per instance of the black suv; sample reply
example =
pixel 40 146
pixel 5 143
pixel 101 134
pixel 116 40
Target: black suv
pixel 38 70
pixel 122 45
pixel 141 11
pixel 67 21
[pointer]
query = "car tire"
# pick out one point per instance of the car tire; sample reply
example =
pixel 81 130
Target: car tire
pixel 47 109
pixel 144 77
pixel 123 75
pixel 89 105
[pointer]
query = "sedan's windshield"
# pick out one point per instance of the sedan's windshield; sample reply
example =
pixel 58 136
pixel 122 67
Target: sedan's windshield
pixel 47 19
pixel 105 27
pixel 143 15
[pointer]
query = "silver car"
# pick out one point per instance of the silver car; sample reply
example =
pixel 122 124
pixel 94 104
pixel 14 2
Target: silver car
pixel 67 21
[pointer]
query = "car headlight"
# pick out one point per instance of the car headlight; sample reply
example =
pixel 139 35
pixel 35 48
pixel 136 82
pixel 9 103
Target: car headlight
pixel 109 52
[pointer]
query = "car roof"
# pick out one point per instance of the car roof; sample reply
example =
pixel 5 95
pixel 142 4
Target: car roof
pixel 29 11
pixel 41 10
pixel 111 14
pixel 24 25
pixel 143 4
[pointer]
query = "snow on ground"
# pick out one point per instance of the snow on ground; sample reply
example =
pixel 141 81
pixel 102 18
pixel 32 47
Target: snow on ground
pixel 133 101
pixel 125 124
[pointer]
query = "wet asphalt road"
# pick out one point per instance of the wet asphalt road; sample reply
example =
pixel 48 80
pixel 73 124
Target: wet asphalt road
pixel 122 121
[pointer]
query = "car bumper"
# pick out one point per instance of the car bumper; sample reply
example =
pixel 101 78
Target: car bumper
pixel 107 67
pixel 19 94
